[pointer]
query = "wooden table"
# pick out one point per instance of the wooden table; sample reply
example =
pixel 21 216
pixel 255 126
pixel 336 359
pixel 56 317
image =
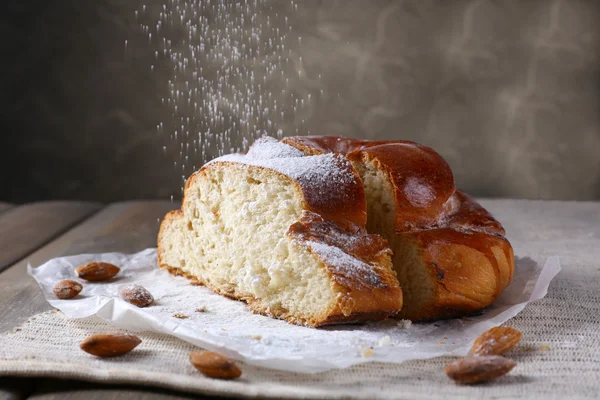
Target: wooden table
pixel 35 233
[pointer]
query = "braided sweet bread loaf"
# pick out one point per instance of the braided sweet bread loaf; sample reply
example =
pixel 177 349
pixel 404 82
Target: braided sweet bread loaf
pixel 305 230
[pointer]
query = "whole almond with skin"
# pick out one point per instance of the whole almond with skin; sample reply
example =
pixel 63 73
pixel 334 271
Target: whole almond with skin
pixel 496 341
pixel 97 271
pixel 66 289
pixel 110 344
pixel 475 369
pixel 214 365
pixel 137 295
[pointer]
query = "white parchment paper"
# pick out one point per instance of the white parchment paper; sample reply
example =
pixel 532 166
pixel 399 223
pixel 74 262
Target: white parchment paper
pixel 229 327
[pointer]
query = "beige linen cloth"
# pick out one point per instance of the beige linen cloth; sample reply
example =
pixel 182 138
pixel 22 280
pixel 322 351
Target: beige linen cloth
pixel 559 356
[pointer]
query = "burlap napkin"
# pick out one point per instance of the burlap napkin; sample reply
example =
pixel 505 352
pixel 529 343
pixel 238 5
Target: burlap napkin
pixel 559 357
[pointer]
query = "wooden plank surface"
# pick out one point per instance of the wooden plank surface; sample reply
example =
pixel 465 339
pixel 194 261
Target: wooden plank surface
pixel 15 388
pixel 122 227
pixel 25 228
pixel 51 389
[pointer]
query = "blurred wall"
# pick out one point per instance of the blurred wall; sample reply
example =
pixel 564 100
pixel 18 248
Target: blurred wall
pixel 507 91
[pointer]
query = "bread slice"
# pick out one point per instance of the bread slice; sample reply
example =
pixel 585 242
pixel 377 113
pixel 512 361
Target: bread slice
pixel 284 232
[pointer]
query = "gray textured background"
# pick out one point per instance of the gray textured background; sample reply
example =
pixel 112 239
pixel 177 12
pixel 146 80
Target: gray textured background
pixel 507 91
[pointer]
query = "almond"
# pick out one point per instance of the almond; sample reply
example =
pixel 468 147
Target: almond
pixel 66 289
pixel 97 271
pixel 496 341
pixel 110 344
pixel 475 369
pixel 214 365
pixel 137 295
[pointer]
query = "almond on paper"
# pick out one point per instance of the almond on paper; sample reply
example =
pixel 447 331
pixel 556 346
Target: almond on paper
pixel 214 365
pixel 97 271
pixel 496 341
pixel 66 289
pixel 475 369
pixel 110 344
pixel 137 295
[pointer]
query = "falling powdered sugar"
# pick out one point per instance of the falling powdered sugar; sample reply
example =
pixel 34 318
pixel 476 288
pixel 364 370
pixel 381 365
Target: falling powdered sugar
pixel 230 71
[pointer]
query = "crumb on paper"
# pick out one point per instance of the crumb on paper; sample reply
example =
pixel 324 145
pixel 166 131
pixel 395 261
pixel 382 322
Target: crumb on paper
pixel 256 337
pixel 405 323
pixel 544 347
pixel 224 330
pixel 201 309
pixel 453 342
pixel 441 341
pixel 180 316
pixel 385 341
pixel 366 351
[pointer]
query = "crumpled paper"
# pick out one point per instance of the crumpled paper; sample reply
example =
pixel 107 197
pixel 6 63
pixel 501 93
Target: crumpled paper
pixel 201 317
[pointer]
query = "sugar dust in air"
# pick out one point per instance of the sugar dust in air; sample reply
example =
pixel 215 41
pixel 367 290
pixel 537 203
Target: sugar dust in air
pixel 233 73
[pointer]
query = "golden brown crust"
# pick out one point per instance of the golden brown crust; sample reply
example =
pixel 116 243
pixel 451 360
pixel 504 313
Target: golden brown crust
pixel 347 208
pixel 470 269
pixel 312 145
pixel 471 215
pixel 468 258
pixel 421 179
pixel 461 244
